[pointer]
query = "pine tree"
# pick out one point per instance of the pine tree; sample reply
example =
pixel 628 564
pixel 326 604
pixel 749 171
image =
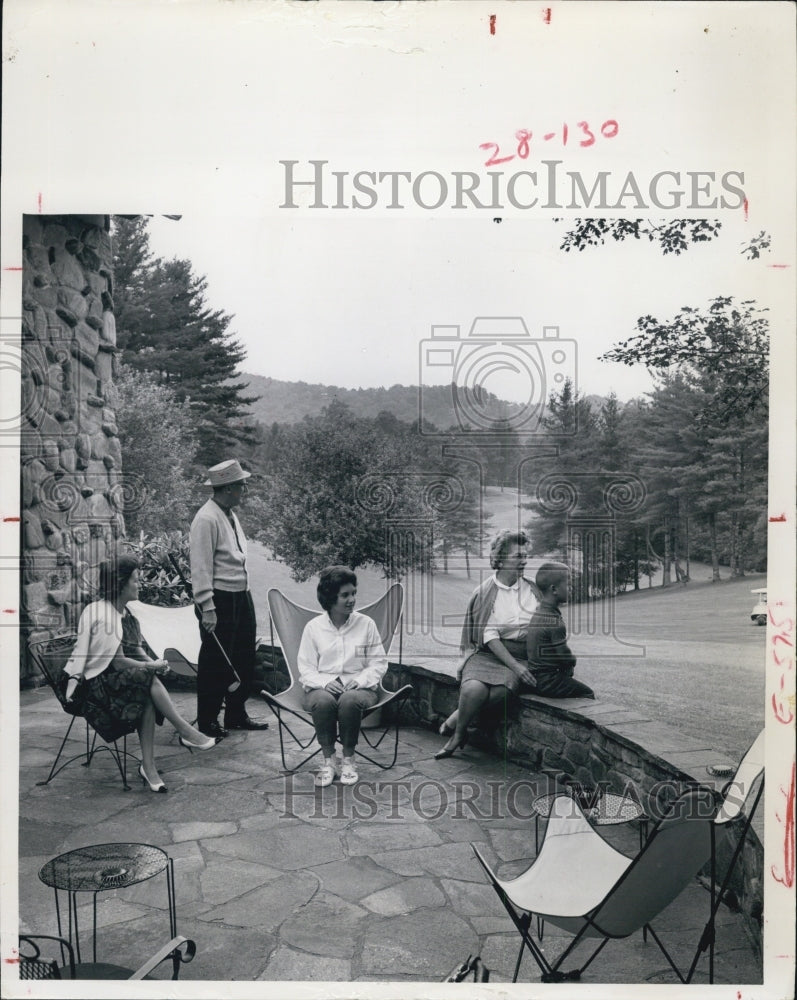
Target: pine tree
pixel 165 327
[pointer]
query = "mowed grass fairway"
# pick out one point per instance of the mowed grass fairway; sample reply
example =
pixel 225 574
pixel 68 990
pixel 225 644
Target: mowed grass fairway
pixel 687 655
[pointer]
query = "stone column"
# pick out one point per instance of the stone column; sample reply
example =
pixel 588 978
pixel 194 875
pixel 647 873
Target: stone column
pixel 70 452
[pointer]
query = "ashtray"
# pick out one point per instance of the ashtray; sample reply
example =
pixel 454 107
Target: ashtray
pixel 721 770
pixel 109 877
pixel 587 796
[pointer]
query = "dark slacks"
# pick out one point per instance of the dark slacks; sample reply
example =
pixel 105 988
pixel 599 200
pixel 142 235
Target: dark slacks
pixel 236 631
pixel 332 713
pixel 560 684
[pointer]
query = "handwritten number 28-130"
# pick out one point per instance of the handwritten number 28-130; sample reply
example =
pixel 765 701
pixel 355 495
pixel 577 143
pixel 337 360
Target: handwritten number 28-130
pixel 608 130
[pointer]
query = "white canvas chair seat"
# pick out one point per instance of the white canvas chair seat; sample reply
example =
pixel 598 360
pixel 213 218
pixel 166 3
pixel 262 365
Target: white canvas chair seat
pixel 736 795
pixel 288 620
pixel 583 886
pixel 572 845
pixel 171 633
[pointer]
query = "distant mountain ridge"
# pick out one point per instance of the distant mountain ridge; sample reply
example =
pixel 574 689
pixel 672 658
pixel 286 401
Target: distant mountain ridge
pixel 289 402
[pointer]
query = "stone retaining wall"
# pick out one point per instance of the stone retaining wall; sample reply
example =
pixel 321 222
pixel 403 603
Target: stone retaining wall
pixel 70 454
pixel 595 742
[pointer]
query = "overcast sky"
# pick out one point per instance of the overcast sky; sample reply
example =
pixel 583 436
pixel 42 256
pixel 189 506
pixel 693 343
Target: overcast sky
pixel 349 302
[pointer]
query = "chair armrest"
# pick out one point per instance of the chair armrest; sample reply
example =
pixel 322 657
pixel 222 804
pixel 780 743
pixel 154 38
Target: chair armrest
pixel 165 952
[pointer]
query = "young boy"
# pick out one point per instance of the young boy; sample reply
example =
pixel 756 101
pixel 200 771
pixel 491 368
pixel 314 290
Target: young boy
pixel 550 658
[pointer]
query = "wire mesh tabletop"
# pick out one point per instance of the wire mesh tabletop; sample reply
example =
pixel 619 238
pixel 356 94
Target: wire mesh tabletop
pixel 610 808
pixel 103 866
pixel 605 809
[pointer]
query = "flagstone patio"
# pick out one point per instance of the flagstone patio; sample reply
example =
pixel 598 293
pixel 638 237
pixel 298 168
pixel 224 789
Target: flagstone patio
pixel 277 880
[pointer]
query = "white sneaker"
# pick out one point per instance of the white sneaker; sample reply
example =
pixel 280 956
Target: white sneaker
pixel 348 772
pixel 325 775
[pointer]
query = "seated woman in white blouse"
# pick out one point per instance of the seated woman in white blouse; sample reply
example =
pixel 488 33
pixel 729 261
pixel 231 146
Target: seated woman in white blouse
pixel 341 662
pixel 121 688
pixel 493 643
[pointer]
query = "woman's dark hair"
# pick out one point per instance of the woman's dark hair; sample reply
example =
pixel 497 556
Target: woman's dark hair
pixel 114 574
pixel 330 580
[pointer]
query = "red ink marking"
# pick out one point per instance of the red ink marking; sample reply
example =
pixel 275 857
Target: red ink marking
pixel 11 961
pixel 782 623
pixel 608 130
pixel 777 520
pixel 590 140
pixel 494 157
pixel 777 709
pixel 781 638
pixel 12 268
pixel 546 15
pixel 40 202
pixel 779 267
pixel 787 879
pixel 6 519
pixel 9 611
pixel 492 24
pixel 746 207
pixel 738 995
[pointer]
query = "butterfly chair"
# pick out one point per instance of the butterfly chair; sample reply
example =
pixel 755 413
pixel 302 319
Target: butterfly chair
pixel 171 633
pixel 35 961
pixel 288 620
pixel 584 886
pixel 736 794
pixel 50 656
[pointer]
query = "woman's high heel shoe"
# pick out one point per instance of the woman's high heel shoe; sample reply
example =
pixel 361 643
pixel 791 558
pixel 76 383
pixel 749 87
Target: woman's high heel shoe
pixel 159 787
pixel 448 751
pixel 208 744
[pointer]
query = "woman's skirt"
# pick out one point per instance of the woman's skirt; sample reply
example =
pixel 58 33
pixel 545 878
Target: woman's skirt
pixel 483 666
pixel 115 701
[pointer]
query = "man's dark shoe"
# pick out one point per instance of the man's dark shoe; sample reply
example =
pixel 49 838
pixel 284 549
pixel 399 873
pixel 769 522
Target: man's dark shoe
pixel 213 729
pixel 244 723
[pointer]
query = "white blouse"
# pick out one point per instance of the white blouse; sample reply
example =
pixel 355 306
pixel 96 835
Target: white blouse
pixel 353 651
pixel 511 612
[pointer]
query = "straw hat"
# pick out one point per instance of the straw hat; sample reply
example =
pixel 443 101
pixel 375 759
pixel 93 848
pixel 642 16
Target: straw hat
pixel 226 473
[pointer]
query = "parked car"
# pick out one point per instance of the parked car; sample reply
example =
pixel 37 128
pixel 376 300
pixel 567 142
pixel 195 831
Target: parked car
pixel 759 612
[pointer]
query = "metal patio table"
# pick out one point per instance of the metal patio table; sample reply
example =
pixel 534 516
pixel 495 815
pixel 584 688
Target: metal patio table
pixel 609 810
pixel 100 868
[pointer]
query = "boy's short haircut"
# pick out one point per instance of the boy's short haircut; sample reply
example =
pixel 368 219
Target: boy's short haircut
pixel 550 573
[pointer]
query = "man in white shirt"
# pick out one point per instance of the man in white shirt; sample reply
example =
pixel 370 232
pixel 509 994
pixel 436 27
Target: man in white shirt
pixel 220 583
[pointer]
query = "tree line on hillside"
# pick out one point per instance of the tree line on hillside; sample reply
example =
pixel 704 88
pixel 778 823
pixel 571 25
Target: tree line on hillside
pixel 288 402
pixel 341 486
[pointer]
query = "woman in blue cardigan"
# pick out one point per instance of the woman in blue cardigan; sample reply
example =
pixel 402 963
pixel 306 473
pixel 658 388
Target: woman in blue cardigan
pixel 493 642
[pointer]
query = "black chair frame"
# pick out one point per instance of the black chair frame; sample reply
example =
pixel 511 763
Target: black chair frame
pixel 33 964
pixel 59 647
